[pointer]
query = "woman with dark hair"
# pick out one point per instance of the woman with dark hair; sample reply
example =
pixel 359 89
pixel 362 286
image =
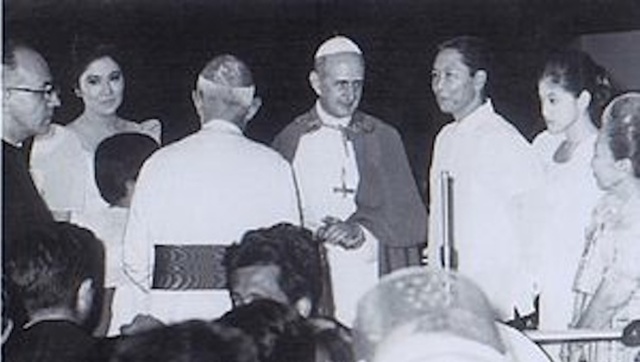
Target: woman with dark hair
pixel 572 89
pixel 62 161
pixel 608 275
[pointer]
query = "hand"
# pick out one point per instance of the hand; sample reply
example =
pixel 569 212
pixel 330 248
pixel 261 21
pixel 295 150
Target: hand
pixel 141 323
pixel 338 232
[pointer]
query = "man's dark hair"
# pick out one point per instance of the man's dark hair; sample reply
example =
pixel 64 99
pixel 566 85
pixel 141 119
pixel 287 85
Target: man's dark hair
pixel 293 249
pixel 87 49
pixel 118 159
pixel 278 331
pixel 47 264
pixel 191 341
pixel 476 54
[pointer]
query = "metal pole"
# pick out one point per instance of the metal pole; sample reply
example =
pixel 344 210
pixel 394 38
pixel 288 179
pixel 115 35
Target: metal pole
pixel 447 249
pixel 575 335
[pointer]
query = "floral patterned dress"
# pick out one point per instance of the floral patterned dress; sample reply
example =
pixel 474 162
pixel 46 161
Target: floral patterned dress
pixel 612 248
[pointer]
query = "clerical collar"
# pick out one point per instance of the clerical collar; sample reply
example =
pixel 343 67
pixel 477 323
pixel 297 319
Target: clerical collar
pixel 330 120
pixel 12 143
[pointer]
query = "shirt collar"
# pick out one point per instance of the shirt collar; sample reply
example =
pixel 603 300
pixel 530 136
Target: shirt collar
pixel 222 126
pixel 330 120
pixel 477 117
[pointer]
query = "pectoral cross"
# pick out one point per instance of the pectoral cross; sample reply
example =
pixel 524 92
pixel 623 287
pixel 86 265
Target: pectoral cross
pixel 343 188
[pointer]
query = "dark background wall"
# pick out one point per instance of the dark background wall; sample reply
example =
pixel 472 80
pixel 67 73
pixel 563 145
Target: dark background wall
pixel 168 41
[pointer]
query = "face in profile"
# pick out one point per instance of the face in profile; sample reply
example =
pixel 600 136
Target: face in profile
pixel 605 167
pixel 30 98
pixel 560 108
pixel 101 86
pixel 251 283
pixel 339 83
pixel 456 89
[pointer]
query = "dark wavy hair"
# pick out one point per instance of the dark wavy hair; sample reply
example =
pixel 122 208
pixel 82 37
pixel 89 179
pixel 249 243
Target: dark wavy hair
pixel 293 249
pixel 84 51
pixel 48 263
pixel 476 55
pixel 193 341
pixel 279 332
pixel 575 71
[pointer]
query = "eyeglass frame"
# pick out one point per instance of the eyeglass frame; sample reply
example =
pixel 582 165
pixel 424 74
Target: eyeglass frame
pixel 48 91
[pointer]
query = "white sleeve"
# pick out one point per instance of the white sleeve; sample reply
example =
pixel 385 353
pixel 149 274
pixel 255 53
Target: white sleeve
pixel 59 167
pixel 435 208
pixel 138 243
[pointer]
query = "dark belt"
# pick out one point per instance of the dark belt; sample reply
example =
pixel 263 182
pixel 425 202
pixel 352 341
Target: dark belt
pixel 184 267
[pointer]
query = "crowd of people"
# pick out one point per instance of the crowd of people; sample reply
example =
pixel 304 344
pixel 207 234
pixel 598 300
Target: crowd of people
pixel 217 247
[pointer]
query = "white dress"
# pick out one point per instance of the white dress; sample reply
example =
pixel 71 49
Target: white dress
pixel 611 248
pixel 492 166
pixel 209 188
pixel 563 205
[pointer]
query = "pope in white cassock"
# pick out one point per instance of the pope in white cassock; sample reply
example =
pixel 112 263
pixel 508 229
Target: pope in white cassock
pixel 197 196
pixel 492 166
pixel 356 187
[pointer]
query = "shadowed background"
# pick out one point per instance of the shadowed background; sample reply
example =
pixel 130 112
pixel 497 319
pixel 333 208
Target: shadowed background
pixel 167 42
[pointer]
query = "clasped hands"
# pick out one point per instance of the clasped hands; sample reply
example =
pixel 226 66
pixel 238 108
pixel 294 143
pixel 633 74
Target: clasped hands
pixel 348 235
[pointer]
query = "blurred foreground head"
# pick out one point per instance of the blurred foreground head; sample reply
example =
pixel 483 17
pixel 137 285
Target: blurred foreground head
pixel 427 315
pixel 190 341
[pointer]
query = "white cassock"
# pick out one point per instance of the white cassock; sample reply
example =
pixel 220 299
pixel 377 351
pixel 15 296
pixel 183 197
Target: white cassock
pixel 492 165
pixel 327 175
pixel 207 189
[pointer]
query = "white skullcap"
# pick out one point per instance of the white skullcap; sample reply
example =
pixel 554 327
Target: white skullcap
pixel 337 44
pixel 244 95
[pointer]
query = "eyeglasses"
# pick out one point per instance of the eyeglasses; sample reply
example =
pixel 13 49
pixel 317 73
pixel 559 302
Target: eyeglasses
pixel 48 91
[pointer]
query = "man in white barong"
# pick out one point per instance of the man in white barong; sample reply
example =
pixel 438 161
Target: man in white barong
pixel 197 196
pixel 492 166
pixel 356 187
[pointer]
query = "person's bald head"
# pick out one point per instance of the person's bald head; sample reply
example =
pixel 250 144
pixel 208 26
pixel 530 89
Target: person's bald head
pixel 229 71
pixel 225 90
pixel 28 99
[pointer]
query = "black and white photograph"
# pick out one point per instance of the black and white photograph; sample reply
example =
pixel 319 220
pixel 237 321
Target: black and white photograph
pixel 320 180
